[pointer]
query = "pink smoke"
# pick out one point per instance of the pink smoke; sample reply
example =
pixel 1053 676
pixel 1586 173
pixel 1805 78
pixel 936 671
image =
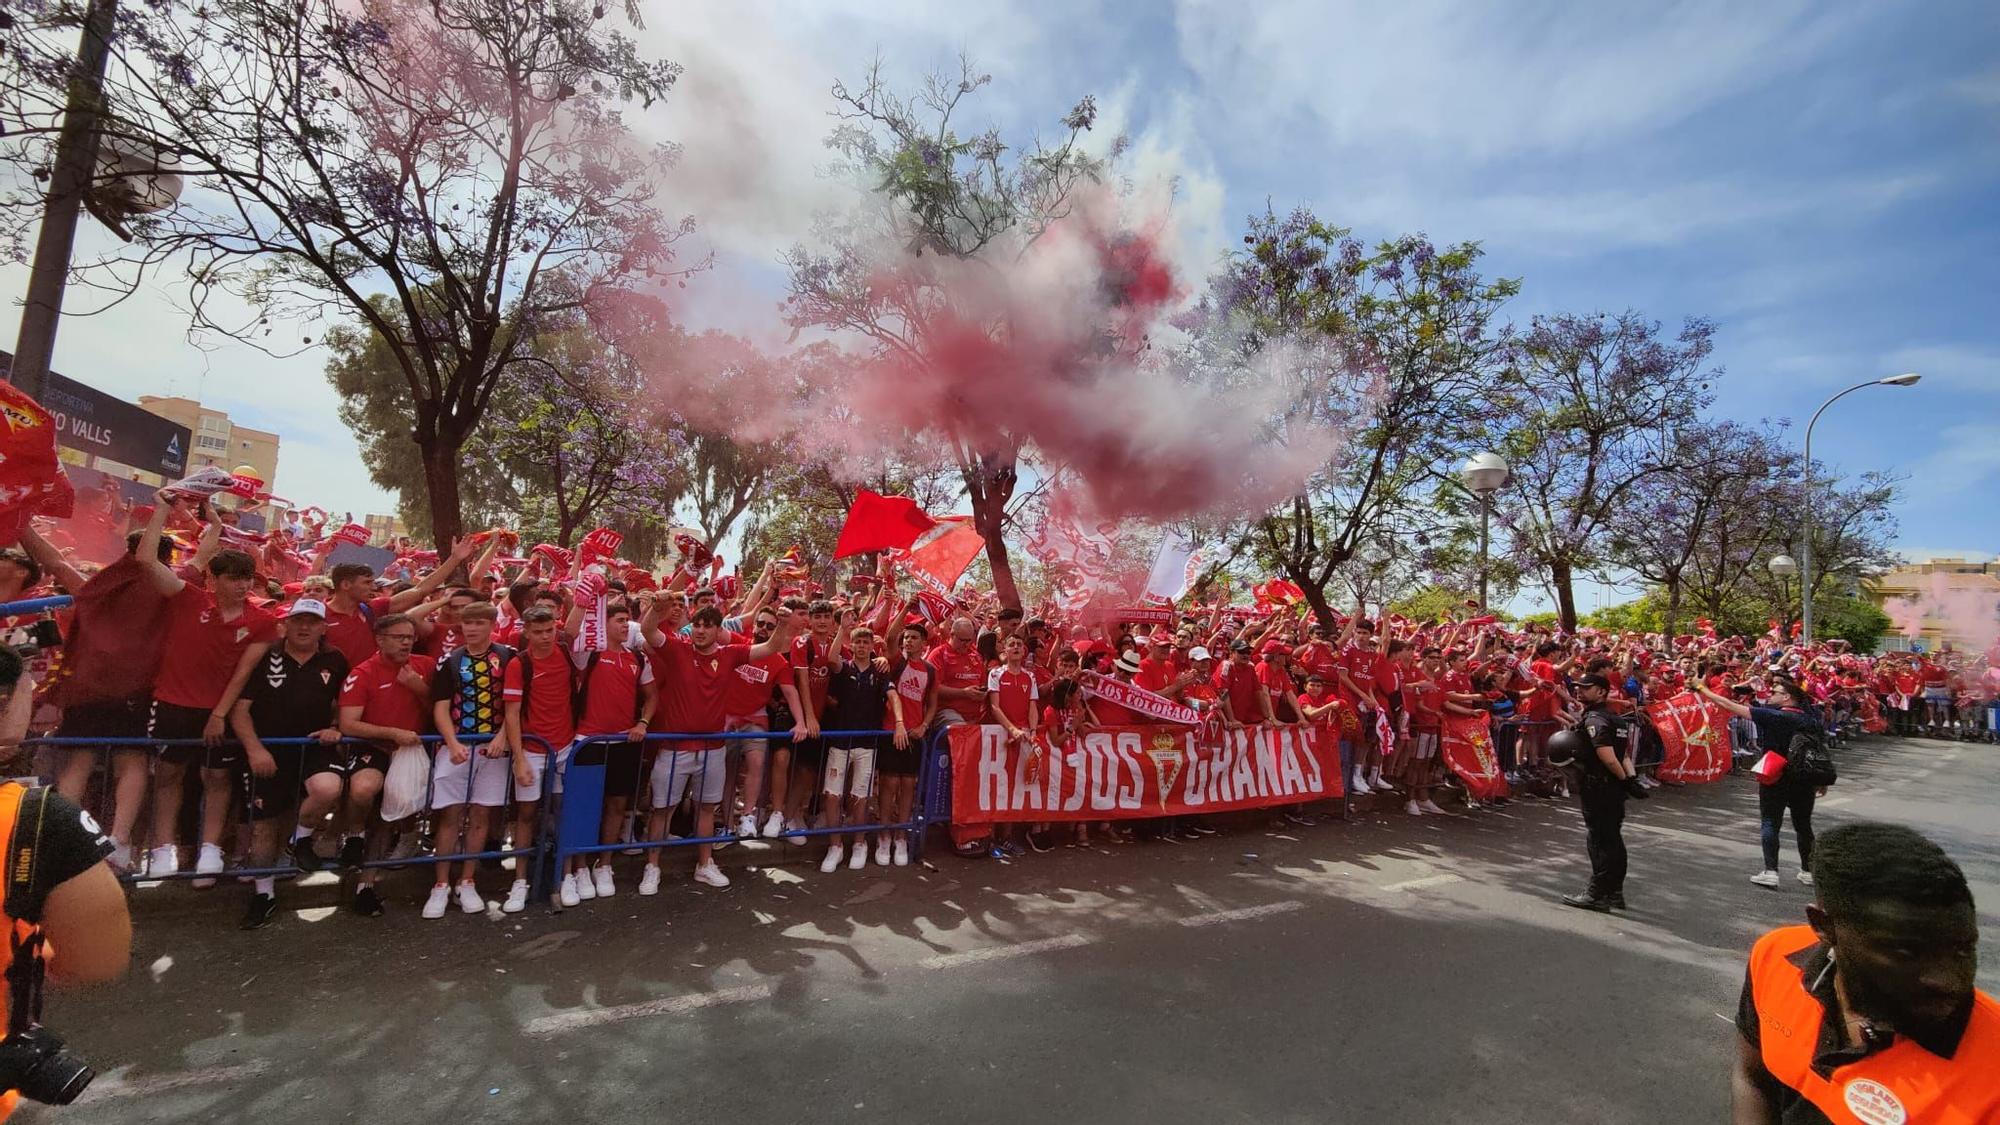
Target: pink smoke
pixel 1056 345
pixel 1969 616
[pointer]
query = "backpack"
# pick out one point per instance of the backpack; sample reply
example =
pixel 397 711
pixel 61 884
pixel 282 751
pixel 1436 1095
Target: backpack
pixel 582 686
pixel 1807 759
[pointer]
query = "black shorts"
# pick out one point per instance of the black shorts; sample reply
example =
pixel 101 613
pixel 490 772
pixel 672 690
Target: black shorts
pixel 273 796
pixel 902 763
pixel 624 765
pixel 123 719
pixel 809 753
pixel 171 720
pixel 345 759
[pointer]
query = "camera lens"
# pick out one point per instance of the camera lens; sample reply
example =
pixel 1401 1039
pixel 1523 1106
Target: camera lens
pixel 57 1079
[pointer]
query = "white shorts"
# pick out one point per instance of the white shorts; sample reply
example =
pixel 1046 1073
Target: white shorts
pixel 536 762
pixel 675 770
pixel 479 780
pixel 1427 745
pixel 839 760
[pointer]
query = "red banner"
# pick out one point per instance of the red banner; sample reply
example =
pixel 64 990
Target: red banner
pixel 1132 697
pixel 1466 744
pixel 1695 735
pixel 1117 773
pixel 1144 615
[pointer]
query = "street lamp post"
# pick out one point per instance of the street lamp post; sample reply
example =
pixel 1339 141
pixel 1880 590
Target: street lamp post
pixel 1907 379
pixel 1783 568
pixel 1484 474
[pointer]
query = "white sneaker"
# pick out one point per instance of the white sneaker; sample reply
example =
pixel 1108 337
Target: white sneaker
pixel 774 825
pixel 1765 878
pixel 746 828
pixel 858 859
pixel 1413 808
pixel 1805 878
pixel 517 898
pixel 834 855
pixel 710 874
pixel 407 844
pixel 796 826
pixel 209 862
pixel 649 881
pixel 440 898
pixel 163 860
pixel 881 851
pixel 469 900
pixel 567 895
pixel 586 889
pixel 601 875
pixel 1431 806
pixel 1359 787
pixel 902 852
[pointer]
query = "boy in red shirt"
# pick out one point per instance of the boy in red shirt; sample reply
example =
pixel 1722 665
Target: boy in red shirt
pixel 386 700
pixel 616 697
pixel 213 642
pixel 538 699
pixel 912 705
pixel 1014 700
pixel 1424 694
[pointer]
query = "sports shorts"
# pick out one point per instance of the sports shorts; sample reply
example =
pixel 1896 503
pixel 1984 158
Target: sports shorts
pixel 479 780
pixel 675 771
pixel 623 762
pixel 1427 745
pixel 126 718
pixel 173 721
pixel 537 762
pixel 345 759
pixel 850 771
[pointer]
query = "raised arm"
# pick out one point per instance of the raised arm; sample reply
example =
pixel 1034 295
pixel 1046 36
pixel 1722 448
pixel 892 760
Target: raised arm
pixel 158 573
pixel 461 549
pixel 50 560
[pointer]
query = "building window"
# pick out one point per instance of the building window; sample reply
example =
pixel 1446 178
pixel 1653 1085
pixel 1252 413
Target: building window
pixel 206 442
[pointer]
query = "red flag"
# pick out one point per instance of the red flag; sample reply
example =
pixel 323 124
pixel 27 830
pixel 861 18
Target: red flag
pixel 877 522
pixel 1466 743
pixel 946 557
pixel 1694 736
pixel 31 478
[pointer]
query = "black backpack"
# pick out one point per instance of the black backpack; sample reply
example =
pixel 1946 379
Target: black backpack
pixel 1807 759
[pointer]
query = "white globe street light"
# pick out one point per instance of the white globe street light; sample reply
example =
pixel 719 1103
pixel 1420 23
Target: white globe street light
pixel 1484 474
pixel 1906 379
pixel 1782 566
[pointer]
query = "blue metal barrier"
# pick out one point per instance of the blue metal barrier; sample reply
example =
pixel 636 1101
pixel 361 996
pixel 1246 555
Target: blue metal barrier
pixel 526 856
pixel 579 821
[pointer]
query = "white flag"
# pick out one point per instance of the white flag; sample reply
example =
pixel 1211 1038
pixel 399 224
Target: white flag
pixel 1169 577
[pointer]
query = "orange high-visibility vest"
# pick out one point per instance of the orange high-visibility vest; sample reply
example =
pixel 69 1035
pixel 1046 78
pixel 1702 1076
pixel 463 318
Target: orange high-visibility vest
pixel 1904 1083
pixel 10 809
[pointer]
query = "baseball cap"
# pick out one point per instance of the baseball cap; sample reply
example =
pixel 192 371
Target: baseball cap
pixel 1239 645
pixel 1276 647
pixel 1199 654
pixel 1593 681
pixel 311 607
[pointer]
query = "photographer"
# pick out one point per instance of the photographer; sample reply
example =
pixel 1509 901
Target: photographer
pixel 64 913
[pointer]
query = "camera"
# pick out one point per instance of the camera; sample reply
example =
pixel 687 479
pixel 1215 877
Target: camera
pixel 34 1062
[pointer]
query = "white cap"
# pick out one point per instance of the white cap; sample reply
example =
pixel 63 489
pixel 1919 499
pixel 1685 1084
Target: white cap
pixel 310 606
pixel 1199 653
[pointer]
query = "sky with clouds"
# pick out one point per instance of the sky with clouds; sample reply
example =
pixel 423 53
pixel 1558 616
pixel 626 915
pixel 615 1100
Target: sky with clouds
pixel 1822 179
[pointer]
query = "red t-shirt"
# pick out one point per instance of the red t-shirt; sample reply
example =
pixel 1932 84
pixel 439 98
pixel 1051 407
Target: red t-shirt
pixel 1277 681
pixel 354 633
pixel 818 660
pixel 1317 656
pixel 1017 691
pixel 750 690
pixel 442 639
pixel 611 695
pixel 1360 663
pixel 1426 704
pixel 1238 683
pixel 547 712
pixel 961 670
pixel 202 649
pixel 1155 675
pixel 372 687
pixel 916 683
pixel 693 688
pixel 1329 721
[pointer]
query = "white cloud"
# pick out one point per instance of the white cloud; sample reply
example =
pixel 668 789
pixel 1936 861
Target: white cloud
pixel 1484 81
pixel 1963 457
pixel 1960 367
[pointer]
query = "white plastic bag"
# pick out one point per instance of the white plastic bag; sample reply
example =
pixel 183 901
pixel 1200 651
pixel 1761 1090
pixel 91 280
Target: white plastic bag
pixel 403 789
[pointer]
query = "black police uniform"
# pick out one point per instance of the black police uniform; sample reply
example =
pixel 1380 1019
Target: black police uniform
pixel 1602 796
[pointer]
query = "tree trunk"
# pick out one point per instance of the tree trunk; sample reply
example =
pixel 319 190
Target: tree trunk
pixel 1316 598
pixel 1563 581
pixel 441 469
pixel 989 484
pixel 1673 605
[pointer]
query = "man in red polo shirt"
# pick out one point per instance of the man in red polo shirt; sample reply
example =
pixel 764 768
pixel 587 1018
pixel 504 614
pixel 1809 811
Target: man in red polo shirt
pixel 1243 697
pixel 961 675
pixel 213 639
pixel 386 700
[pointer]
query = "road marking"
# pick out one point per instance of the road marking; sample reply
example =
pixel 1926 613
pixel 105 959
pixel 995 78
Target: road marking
pixel 593 1017
pixel 1000 953
pixel 1241 913
pixel 1426 881
pixel 119 1087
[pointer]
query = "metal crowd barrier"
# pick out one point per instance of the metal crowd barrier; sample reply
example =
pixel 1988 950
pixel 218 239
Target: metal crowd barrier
pixel 35 605
pixel 581 801
pixel 530 856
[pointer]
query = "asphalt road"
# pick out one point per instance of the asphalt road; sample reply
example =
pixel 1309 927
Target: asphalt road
pixel 1384 969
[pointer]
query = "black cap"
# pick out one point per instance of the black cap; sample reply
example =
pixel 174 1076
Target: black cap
pixel 1593 681
pixel 1239 646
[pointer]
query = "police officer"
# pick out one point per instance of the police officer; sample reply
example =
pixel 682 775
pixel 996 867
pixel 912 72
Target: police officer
pixel 1595 747
pixel 1868 1012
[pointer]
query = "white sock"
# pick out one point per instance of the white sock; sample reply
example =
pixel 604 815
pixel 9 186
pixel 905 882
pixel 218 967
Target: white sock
pixel 300 833
pixel 267 885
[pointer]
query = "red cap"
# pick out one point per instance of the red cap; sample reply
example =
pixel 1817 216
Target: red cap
pixel 1274 646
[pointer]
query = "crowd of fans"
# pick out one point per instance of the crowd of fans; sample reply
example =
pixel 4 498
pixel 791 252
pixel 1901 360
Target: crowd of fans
pixel 217 708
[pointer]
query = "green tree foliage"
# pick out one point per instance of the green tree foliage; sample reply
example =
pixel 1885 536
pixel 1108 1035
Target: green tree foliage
pixel 1433 603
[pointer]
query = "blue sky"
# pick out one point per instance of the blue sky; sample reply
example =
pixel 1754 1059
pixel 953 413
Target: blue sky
pixel 1821 179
